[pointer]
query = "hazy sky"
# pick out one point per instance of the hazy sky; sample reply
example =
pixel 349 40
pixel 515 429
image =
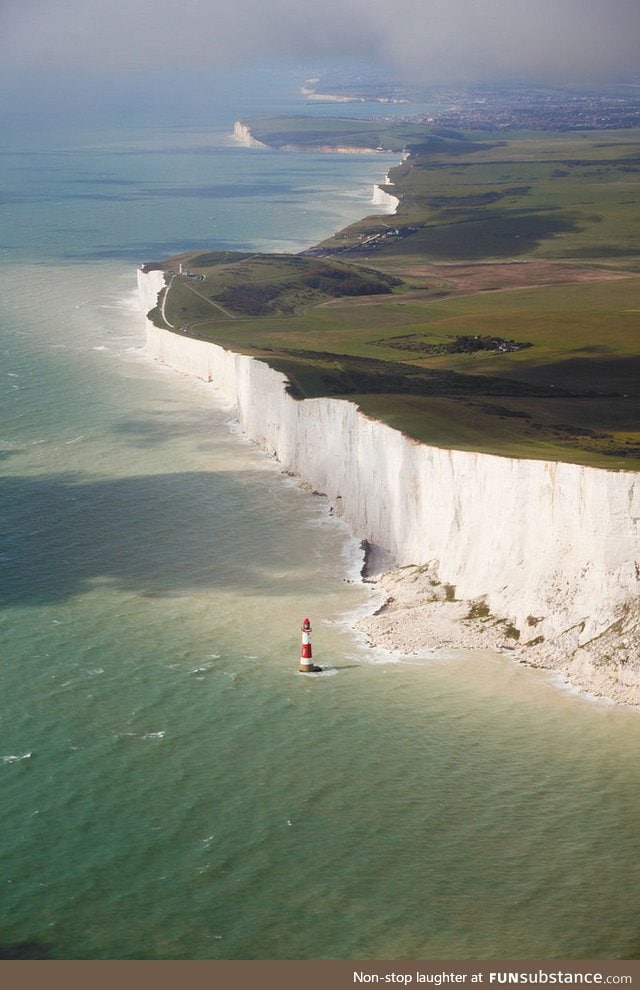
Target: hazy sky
pixel 433 40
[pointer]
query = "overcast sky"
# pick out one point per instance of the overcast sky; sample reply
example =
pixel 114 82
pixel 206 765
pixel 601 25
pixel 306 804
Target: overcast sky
pixel 432 40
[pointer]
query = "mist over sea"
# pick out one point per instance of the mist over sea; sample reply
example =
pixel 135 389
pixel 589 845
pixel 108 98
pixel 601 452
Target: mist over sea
pixel 172 787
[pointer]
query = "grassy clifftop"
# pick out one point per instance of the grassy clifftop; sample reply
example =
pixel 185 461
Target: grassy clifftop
pixel 497 311
pixel 312 133
pixel 561 197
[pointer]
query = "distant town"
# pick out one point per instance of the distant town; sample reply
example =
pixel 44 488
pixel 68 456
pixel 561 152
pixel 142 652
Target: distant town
pixel 497 110
pixel 494 108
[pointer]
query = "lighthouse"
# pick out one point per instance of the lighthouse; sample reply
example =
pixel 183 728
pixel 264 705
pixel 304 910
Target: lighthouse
pixel 306 663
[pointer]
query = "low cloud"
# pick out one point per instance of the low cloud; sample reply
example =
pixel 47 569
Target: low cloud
pixel 428 40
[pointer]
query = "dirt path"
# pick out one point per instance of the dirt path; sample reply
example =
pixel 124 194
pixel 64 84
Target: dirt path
pixel 215 305
pixel 165 296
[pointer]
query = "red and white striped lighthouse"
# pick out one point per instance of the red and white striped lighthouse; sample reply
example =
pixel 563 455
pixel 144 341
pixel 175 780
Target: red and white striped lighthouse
pixel 306 663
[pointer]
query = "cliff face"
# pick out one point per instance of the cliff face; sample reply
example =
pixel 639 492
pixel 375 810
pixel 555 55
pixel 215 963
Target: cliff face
pixel 242 134
pixel 149 285
pixel 381 197
pixel 553 548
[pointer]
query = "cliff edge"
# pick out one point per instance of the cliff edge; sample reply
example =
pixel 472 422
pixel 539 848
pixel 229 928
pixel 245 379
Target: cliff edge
pixel 540 556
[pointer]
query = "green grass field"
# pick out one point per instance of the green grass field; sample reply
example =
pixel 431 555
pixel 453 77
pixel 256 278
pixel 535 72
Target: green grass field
pixel 558 197
pixel 497 311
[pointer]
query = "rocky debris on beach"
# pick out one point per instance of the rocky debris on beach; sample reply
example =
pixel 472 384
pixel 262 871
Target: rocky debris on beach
pixel 420 614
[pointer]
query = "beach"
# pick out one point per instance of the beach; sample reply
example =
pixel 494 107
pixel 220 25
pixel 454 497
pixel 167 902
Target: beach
pixel 417 618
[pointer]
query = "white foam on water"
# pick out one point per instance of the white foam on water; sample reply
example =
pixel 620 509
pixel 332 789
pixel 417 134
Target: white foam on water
pixel 11 758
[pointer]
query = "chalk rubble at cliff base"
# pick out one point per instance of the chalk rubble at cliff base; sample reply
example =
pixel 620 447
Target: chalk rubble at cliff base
pixel 420 615
pixel 491 551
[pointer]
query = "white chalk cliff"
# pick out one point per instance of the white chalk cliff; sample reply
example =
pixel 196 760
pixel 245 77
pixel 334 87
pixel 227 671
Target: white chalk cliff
pixel 384 198
pixel 551 548
pixel 242 134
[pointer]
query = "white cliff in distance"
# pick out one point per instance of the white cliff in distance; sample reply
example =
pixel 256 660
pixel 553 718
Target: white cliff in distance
pixel 242 134
pixel 382 197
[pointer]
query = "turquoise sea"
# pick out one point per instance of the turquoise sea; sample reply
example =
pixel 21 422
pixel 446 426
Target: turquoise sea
pixel 172 787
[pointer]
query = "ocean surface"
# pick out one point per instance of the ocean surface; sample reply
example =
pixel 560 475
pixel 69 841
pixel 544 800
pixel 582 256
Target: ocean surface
pixel 172 787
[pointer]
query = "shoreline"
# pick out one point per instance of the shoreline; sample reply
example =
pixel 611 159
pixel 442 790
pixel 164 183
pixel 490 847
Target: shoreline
pixel 412 622
pixel 243 135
